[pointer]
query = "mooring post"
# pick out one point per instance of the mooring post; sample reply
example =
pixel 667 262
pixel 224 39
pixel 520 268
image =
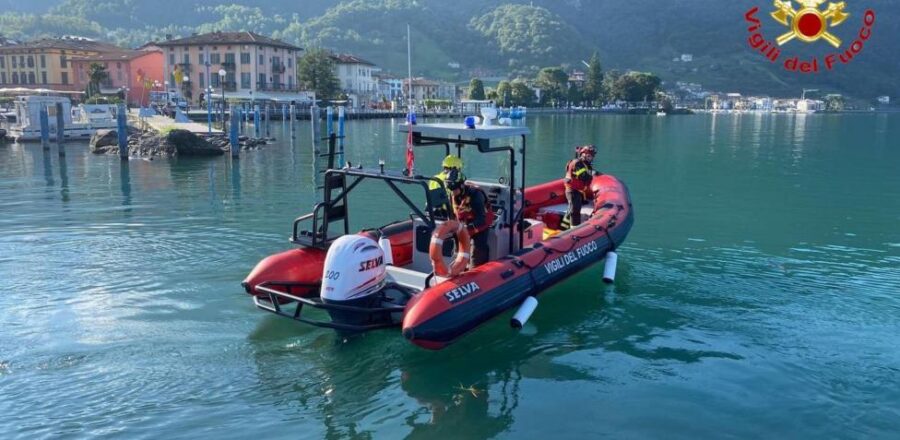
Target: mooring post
pixel 314 125
pixel 329 122
pixel 268 120
pixel 60 128
pixel 122 131
pixel 341 116
pixel 235 141
pixel 256 120
pixel 45 127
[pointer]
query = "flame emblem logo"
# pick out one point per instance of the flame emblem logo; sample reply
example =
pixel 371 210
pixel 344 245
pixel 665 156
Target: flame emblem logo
pixel 809 23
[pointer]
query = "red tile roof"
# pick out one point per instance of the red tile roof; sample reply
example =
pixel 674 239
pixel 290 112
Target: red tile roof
pixel 235 38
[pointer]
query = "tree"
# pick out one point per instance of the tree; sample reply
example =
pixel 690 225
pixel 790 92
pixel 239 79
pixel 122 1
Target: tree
pixel 521 94
pixel 97 74
pixel 492 95
pixel 593 86
pixel 315 71
pixel 637 86
pixel 575 95
pixel 610 92
pixel 476 89
pixel 834 103
pixel 554 83
pixel 504 92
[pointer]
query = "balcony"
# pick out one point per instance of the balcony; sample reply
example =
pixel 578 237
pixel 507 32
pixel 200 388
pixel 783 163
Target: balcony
pixel 229 65
pixel 277 87
pixel 278 68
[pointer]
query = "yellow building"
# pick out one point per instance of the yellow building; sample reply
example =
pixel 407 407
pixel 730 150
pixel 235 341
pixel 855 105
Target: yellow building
pixel 46 63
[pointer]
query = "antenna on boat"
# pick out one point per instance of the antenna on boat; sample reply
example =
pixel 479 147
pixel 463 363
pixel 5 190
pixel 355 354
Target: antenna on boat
pixel 410 114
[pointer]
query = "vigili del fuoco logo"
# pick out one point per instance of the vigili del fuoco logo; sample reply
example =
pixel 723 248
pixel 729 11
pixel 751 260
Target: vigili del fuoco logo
pixel 809 23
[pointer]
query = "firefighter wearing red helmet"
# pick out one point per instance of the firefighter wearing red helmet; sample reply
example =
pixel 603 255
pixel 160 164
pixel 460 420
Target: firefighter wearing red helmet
pixel 579 173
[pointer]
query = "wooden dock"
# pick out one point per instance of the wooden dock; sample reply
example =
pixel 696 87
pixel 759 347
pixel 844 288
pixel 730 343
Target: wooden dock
pixel 161 123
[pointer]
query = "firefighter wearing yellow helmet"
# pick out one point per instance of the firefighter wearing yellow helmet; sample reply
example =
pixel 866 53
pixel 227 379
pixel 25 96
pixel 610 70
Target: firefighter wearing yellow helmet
pixel 450 163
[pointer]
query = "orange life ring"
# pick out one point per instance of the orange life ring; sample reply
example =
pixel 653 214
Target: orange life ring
pixel 463 252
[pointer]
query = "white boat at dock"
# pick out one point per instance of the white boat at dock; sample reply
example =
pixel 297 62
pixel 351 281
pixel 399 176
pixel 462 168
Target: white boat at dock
pixel 80 123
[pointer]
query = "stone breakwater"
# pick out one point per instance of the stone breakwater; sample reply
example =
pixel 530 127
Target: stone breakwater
pixel 169 144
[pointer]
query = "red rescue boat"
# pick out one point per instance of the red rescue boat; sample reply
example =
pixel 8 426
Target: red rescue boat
pixel 382 277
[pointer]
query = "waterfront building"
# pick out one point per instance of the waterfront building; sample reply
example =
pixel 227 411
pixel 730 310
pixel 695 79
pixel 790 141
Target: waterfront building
pixel 46 63
pixel 256 67
pixel 134 73
pixel 390 88
pixel 357 78
pixel 423 89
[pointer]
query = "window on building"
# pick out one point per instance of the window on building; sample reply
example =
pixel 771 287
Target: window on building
pixel 14 63
pixel 215 58
pixel 44 61
pixel 22 60
pixel 30 61
pixel 261 80
pixel 65 77
pixel 186 58
pixel 290 62
pixel 2 76
pixel 15 78
pixel 245 80
pixel 229 57
pixel 290 82
pixel 171 59
pixel 31 78
pixel 200 58
pixel 262 60
pixel 63 62
pixel 245 57
pixel 214 80
pixel 43 77
pixel 2 62
pixel 201 79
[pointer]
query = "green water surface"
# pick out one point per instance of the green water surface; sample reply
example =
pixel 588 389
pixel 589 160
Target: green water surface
pixel 757 295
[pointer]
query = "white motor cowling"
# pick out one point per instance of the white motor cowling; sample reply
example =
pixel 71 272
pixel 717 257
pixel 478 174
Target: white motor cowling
pixel 354 270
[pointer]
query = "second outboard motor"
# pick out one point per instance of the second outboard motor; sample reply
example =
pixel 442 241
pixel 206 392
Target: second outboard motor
pixel 354 275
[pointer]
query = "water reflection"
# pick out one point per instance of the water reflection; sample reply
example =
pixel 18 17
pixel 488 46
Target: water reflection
pixel 125 183
pixel 63 175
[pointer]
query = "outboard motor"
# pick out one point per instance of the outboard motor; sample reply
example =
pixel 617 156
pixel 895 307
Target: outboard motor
pixel 354 275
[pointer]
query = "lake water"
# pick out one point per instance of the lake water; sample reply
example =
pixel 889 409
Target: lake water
pixel 758 295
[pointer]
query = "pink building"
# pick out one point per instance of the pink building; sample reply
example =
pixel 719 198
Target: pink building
pixel 134 71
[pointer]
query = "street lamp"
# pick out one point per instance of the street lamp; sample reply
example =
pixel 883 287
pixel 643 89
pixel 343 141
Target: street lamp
pixel 222 74
pixel 208 98
pixel 184 88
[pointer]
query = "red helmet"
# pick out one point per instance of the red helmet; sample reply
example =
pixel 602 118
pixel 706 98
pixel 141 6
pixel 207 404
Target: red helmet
pixel 586 149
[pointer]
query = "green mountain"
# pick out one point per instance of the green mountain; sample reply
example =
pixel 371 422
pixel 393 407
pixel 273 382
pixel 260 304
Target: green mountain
pixel 505 38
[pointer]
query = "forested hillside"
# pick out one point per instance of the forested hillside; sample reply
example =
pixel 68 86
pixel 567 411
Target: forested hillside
pixel 497 38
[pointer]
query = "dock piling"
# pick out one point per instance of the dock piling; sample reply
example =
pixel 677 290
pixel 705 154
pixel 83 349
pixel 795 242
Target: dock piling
pixel 341 116
pixel 314 125
pixel 60 128
pixel 45 128
pixel 256 120
pixel 268 120
pixel 122 131
pixel 233 138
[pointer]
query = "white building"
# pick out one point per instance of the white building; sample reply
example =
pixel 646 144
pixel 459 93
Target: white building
pixel 357 79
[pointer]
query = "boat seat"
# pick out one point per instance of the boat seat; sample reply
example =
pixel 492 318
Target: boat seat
pixel 586 209
pixel 552 215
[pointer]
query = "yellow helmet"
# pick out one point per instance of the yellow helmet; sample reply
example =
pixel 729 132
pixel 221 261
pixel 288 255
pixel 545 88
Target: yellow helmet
pixel 452 161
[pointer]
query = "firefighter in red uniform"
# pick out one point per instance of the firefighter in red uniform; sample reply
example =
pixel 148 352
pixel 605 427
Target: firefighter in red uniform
pixel 579 173
pixel 471 206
